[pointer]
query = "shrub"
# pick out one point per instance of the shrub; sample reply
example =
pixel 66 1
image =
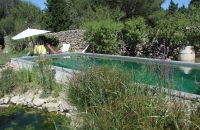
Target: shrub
pixel 105 36
pixel 134 31
pixel 7 80
pixel 45 76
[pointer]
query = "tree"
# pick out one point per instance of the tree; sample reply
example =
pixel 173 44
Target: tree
pixel 133 33
pixel 102 13
pixel 104 36
pixel 17 15
pixel 182 9
pixel 194 2
pixel 73 17
pixel 172 8
pixel 56 15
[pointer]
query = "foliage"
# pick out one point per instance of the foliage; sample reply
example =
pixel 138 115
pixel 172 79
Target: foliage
pixel 193 30
pixel 134 8
pixel 18 16
pixel 56 15
pixel 98 83
pixel 172 8
pixel 73 15
pixel 46 39
pixel 104 36
pixel 133 33
pixel 107 99
pixel 23 80
pixel 102 13
pixel 194 3
pixel 5 57
pixel 81 6
pixel 7 81
pixel 41 76
pixel 45 76
pixel 172 29
pixel 20 45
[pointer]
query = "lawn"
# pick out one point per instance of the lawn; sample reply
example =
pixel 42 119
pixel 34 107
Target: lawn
pixel 6 56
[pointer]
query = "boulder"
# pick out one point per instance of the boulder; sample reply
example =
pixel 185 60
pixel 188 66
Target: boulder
pixel 4 106
pixel 51 106
pixel 30 104
pixel 14 99
pixel 1 101
pixel 65 107
pixel 6 100
pixel 28 99
pixel 39 102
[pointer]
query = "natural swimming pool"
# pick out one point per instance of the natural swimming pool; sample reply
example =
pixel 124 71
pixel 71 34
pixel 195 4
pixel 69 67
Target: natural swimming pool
pixel 162 74
pixel 21 118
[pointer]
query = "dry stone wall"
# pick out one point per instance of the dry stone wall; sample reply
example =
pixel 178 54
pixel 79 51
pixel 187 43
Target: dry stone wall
pixel 72 37
pixel 151 50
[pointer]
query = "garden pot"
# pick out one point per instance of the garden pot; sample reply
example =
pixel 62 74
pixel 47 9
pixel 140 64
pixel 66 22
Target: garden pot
pixel 187 53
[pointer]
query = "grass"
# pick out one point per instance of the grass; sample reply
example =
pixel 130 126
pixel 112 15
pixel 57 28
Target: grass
pixel 5 57
pixel 108 99
pixel 40 77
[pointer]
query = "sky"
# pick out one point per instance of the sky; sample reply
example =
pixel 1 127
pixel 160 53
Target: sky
pixel 41 4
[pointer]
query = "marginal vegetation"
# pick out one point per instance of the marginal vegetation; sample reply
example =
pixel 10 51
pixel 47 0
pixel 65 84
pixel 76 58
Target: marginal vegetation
pixel 106 98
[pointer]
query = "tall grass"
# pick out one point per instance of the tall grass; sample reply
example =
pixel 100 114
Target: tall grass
pixel 108 99
pixel 40 77
pixel 5 57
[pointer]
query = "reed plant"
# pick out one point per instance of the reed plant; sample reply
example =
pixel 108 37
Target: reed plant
pixel 107 98
pixel 39 77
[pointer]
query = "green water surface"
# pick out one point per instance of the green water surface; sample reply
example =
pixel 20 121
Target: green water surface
pixel 148 73
pixel 21 118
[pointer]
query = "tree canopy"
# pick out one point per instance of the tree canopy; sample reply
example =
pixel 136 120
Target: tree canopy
pixel 140 18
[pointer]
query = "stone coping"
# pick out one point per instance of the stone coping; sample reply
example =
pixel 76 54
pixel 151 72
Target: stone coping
pixel 27 63
pixel 32 100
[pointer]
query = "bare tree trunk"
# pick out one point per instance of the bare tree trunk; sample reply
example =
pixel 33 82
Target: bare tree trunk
pixel 6 44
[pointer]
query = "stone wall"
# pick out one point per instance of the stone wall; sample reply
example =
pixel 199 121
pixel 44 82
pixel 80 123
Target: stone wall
pixel 150 50
pixel 72 37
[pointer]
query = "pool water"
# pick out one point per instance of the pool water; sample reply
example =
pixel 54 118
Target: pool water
pixel 20 118
pixel 148 73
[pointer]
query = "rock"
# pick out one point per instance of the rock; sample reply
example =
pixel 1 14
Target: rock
pixel 1 101
pixel 25 103
pixel 22 100
pixel 39 102
pixel 4 106
pixel 65 107
pixel 19 103
pixel 51 106
pixel 14 99
pixel 29 100
pixel 39 108
pixel 30 104
pixel 68 115
pixel 6 100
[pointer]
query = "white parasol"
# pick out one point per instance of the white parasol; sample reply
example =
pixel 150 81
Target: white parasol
pixel 29 32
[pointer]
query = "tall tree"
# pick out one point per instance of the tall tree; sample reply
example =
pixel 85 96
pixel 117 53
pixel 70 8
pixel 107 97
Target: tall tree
pixel 17 15
pixel 195 3
pixel 182 9
pixel 73 15
pixel 172 7
pixel 56 15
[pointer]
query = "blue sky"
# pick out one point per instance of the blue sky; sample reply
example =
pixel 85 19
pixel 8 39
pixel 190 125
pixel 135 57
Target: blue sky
pixel 41 4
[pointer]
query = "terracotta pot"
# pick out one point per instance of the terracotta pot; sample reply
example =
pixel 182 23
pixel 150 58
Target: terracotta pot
pixel 187 53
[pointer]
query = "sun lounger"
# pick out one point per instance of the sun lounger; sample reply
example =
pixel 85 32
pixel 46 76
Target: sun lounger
pixel 65 48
